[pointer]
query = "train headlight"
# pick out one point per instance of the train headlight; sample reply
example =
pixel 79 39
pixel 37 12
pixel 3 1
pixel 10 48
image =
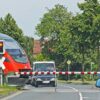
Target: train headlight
pixel 38 79
pixel 25 67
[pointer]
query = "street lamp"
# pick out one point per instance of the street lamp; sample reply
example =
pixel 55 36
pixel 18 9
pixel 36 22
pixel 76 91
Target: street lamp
pixel 68 62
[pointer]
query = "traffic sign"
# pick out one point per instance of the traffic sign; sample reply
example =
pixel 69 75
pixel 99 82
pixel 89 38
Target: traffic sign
pixel 68 62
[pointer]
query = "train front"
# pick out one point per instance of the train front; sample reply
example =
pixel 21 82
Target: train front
pixel 16 59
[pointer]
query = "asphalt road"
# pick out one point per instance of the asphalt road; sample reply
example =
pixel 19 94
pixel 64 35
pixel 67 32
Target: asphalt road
pixel 61 92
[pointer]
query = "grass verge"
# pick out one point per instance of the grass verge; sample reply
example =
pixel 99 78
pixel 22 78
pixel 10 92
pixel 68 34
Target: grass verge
pixel 78 82
pixel 6 90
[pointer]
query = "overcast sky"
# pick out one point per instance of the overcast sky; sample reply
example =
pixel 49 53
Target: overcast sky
pixel 27 13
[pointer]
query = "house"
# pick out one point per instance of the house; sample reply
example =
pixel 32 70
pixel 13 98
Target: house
pixel 37 47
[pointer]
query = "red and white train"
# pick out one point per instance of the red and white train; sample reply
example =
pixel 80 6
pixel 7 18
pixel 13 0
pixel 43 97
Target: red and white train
pixel 16 59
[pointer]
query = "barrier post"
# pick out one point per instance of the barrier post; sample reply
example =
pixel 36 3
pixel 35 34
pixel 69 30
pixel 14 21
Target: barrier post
pixel 68 62
pixel 1 76
pixel 2 67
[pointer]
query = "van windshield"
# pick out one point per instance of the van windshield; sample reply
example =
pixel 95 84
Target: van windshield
pixel 44 67
pixel 17 55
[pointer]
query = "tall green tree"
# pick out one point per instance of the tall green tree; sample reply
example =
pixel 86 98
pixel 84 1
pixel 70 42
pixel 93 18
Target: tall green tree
pixel 28 47
pixel 9 26
pixel 85 30
pixel 54 26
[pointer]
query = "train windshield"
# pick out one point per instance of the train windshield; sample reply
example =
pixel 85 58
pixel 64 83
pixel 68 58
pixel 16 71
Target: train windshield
pixel 15 50
pixel 44 67
pixel 17 55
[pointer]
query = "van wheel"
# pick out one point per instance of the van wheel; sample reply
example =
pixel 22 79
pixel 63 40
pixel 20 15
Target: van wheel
pixel 32 83
pixel 36 84
pixel 54 85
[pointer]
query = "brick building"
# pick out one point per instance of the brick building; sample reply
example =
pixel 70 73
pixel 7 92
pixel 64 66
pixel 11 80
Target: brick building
pixel 37 47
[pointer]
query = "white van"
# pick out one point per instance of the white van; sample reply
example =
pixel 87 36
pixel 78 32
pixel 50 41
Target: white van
pixel 43 66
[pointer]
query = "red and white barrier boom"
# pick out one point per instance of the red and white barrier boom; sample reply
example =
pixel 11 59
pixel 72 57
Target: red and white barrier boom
pixel 55 73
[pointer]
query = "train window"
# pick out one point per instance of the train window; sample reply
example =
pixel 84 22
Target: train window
pixel 14 49
pixel 9 40
pixel 11 45
pixel 17 55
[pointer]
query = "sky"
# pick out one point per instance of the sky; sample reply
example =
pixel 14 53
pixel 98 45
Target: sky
pixel 27 13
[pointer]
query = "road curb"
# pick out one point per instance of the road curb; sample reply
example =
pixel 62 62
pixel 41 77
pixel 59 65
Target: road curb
pixel 11 95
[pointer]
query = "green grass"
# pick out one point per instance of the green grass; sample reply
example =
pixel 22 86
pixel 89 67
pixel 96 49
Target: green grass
pixel 6 90
pixel 78 82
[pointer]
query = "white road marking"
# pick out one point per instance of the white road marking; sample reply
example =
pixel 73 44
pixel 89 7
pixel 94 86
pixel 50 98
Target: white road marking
pixel 85 97
pixel 80 94
pixel 76 90
pixel 11 96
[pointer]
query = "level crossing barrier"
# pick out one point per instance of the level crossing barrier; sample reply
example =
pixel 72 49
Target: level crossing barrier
pixel 57 73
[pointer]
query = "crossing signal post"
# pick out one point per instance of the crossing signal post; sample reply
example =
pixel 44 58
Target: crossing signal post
pixel 2 50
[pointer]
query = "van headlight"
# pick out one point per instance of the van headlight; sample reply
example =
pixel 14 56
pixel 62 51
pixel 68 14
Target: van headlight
pixel 53 79
pixel 38 79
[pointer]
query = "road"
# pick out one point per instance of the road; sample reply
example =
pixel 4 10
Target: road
pixel 61 92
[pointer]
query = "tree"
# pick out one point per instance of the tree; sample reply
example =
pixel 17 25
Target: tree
pixel 85 30
pixel 8 26
pixel 54 27
pixel 28 47
pixel 39 57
